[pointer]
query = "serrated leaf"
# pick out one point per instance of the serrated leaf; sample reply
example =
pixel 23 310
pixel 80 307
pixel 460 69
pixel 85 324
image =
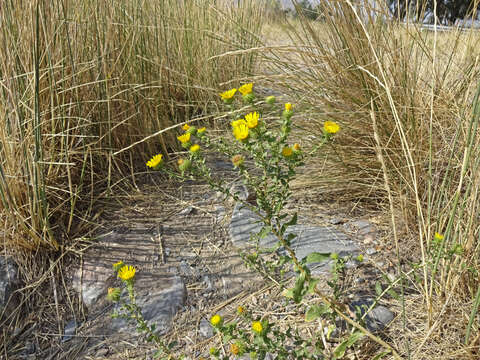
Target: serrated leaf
pixel 378 288
pixel 315 311
pixel 316 257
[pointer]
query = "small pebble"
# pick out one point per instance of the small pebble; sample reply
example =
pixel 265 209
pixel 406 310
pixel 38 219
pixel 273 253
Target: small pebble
pixel 371 251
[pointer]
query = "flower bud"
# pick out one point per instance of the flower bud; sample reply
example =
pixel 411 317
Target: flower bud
pixel 113 294
pixel 184 165
pixel 238 160
pixel 270 100
pixel 192 130
pixel 248 98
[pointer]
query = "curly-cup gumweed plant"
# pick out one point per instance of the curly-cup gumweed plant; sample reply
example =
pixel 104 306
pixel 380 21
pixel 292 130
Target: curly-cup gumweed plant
pixel 266 161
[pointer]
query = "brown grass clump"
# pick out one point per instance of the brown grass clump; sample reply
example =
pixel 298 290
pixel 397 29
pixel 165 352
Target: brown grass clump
pixel 81 80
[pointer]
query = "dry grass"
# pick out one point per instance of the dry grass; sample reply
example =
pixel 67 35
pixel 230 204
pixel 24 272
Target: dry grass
pixel 407 102
pixel 81 80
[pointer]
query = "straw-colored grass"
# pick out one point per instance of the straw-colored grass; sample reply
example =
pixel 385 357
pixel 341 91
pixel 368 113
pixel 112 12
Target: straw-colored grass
pixel 81 80
pixel 407 102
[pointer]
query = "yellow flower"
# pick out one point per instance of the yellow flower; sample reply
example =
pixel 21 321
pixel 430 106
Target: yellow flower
pixel 216 320
pixel 234 349
pixel 252 120
pixel 257 327
pixel 185 138
pixel 186 127
pixel 331 127
pixel 296 147
pixel 287 151
pixel 228 95
pixel 288 107
pixel 246 88
pixel 155 161
pixel 201 131
pixel 439 236
pixel 240 131
pixel 240 310
pixel 126 273
pixel 237 122
pixel 195 148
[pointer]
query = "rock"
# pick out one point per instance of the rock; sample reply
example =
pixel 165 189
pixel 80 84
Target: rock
pixel 323 239
pixel 371 251
pixel 188 210
pixel 219 213
pixel 207 281
pixel 159 298
pixel 9 282
pixel 377 319
pixel 69 330
pixel 205 329
pixel 240 190
pixel 362 227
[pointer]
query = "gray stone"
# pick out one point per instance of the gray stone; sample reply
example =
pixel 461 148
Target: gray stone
pixel 371 251
pixel 205 329
pixel 188 210
pixel 377 318
pixel 323 239
pixel 159 298
pixel 9 282
pixel 240 190
pixel 362 227
pixel 219 213
pixel 69 331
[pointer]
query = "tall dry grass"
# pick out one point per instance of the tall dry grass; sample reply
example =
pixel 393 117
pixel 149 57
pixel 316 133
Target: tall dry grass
pixel 80 80
pixel 407 102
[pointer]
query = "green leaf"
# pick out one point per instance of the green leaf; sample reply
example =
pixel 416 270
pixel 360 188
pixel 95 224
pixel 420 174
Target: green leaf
pixel 381 355
pixel 339 351
pixel 311 285
pixel 378 288
pixel 298 289
pixel 316 257
pixel 393 294
pixel 264 232
pixel 316 311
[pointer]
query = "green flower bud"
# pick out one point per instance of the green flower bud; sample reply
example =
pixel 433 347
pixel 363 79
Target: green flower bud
pixel 192 130
pixel 334 256
pixel 184 165
pixel 270 100
pixel 113 294
pixel 248 98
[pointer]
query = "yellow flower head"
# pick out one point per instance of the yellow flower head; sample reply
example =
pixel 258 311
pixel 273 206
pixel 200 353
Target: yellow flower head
pixel 228 95
pixel 439 236
pixel 287 151
pixel 252 120
pixel 201 131
pixel 216 320
pixel 288 107
pixel 240 130
pixel 186 127
pixel 246 88
pixel 194 148
pixel 155 161
pixel 127 272
pixel 296 147
pixel 331 127
pixel 234 349
pixel 237 122
pixel 185 138
pixel 257 327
